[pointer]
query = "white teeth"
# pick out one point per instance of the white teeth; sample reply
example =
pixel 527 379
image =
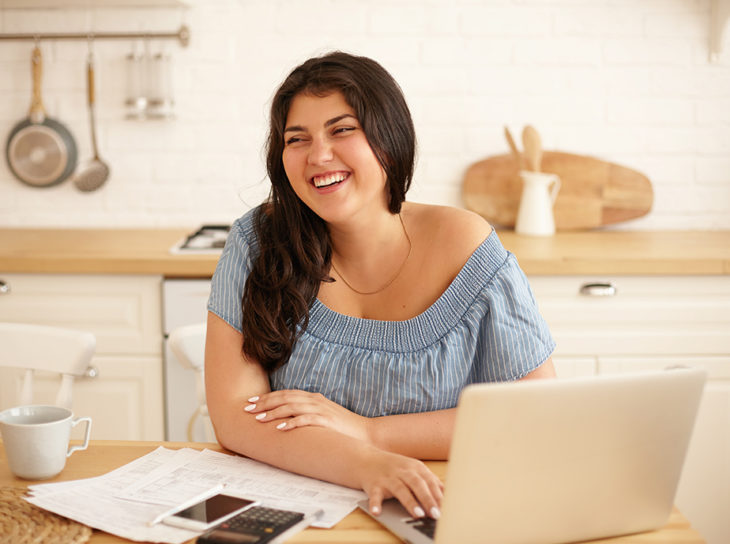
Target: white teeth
pixel 330 179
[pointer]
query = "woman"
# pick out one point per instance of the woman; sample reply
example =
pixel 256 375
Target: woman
pixel 343 321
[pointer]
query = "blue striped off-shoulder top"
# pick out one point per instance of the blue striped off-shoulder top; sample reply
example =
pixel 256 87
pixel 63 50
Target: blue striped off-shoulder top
pixel 484 328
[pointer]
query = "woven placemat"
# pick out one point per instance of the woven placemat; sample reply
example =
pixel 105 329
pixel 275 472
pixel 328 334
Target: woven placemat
pixel 25 523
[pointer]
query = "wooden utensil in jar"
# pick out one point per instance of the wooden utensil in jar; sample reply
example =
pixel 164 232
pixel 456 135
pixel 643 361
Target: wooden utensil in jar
pixel 533 148
pixel 513 147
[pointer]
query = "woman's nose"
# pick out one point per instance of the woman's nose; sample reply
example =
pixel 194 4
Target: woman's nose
pixel 320 151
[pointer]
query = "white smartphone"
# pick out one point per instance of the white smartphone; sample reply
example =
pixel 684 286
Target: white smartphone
pixel 206 513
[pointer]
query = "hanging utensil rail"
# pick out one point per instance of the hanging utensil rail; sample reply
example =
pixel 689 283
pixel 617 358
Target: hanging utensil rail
pixel 182 35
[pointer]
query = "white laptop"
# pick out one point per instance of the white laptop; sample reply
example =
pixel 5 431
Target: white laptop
pixel 552 461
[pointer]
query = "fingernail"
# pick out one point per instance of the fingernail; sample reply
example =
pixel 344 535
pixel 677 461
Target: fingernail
pixel 375 510
pixel 435 513
pixel 253 399
pixel 418 512
pixel 281 425
pixel 250 407
pixel 261 415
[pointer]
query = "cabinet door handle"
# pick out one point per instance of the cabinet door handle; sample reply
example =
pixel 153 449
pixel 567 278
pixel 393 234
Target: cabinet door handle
pixel 4 288
pixel 598 289
pixel 91 373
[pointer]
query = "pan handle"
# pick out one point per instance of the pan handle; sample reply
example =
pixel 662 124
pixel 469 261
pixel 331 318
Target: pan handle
pixel 90 79
pixel 37 111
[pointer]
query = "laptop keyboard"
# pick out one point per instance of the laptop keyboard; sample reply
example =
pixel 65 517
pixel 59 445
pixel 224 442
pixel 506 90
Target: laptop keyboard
pixel 425 525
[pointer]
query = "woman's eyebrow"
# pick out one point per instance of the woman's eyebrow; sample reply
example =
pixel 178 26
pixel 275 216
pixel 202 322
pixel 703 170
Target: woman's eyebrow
pixel 338 119
pixel 299 128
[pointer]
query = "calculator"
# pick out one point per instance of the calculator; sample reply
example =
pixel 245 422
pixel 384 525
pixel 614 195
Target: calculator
pixel 256 525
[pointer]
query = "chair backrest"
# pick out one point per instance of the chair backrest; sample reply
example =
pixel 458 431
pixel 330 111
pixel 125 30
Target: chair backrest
pixel 187 344
pixel 52 349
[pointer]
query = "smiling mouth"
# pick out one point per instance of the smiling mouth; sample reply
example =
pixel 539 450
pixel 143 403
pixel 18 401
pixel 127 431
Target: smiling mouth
pixel 329 179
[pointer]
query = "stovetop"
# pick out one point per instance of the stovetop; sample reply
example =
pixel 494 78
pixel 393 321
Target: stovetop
pixel 207 239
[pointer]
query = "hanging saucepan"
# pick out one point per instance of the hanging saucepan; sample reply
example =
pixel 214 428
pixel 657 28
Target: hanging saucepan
pixel 40 150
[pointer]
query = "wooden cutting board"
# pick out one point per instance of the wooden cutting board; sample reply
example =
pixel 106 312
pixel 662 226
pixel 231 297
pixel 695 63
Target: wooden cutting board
pixel 593 192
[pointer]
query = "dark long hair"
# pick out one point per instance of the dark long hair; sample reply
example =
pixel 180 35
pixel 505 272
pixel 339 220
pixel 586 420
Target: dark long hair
pixel 294 250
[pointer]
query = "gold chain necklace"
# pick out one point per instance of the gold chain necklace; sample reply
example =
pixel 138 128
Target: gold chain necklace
pixel 400 269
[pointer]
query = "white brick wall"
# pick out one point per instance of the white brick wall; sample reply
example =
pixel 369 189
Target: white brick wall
pixel 625 80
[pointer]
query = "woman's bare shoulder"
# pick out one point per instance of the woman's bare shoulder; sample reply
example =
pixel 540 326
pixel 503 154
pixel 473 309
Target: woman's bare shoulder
pixel 443 240
pixel 456 227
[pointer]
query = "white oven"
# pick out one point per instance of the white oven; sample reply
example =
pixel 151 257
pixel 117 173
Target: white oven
pixel 184 303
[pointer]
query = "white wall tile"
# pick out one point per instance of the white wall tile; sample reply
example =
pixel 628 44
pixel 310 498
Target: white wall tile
pixel 625 81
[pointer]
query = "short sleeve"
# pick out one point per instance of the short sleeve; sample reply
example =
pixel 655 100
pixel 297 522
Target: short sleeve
pixel 514 338
pixel 231 272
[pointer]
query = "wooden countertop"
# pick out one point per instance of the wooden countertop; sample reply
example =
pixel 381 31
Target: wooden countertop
pixel 623 252
pixel 146 251
pixel 103 456
pixel 101 251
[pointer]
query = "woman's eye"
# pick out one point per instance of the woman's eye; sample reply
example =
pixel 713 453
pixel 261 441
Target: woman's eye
pixel 293 140
pixel 342 130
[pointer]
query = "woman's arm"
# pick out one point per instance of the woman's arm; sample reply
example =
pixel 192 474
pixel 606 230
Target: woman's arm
pixel 425 435
pixel 545 370
pixel 231 379
pixel 428 435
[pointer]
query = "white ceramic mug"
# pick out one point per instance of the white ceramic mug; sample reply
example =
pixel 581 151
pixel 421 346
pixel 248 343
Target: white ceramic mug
pixel 36 439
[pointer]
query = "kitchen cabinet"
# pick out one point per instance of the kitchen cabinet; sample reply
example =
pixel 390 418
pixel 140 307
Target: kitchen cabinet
pixel 649 323
pixel 704 490
pixel 125 398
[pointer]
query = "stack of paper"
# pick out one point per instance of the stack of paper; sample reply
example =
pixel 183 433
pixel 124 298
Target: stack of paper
pixel 124 501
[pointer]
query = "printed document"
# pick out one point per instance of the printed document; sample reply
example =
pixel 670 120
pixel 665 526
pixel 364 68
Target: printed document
pixel 125 500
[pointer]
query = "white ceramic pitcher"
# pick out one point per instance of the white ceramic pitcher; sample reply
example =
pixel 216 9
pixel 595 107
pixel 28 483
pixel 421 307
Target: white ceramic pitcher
pixel 535 215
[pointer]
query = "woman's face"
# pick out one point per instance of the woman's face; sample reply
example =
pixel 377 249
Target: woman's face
pixel 328 160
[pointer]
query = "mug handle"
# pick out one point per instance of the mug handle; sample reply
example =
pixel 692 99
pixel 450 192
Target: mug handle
pixel 556 188
pixel 86 435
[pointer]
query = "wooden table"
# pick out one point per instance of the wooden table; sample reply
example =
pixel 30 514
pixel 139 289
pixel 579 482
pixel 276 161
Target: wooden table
pixel 103 456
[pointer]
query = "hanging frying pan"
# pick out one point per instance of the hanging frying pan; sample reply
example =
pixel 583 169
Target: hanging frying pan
pixel 40 150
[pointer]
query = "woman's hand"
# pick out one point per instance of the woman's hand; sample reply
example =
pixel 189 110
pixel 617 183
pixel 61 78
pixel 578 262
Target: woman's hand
pixel 384 475
pixel 296 408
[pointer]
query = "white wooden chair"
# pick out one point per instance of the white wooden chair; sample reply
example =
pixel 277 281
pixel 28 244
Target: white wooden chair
pixel 188 345
pixel 42 348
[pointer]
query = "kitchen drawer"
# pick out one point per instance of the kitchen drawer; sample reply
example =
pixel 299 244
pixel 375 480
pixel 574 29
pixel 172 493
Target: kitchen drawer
pixel 124 312
pixel 646 315
pixel 573 367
